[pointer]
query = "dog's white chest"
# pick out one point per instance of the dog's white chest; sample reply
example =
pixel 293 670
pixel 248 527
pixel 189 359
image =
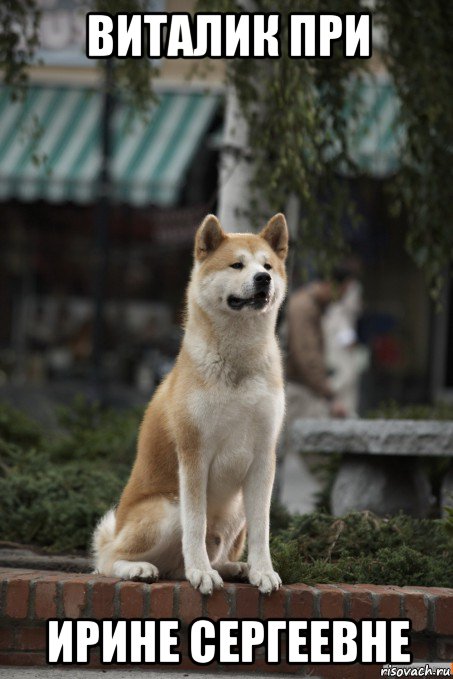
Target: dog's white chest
pixel 235 424
pixel 227 413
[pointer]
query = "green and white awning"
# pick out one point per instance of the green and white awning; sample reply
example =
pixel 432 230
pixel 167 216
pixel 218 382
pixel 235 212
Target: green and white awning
pixel 50 145
pixel 50 142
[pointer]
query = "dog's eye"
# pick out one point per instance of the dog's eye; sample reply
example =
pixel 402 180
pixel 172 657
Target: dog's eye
pixel 268 267
pixel 237 265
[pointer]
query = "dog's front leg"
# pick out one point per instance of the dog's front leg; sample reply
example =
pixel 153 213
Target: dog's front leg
pixel 257 500
pixel 193 487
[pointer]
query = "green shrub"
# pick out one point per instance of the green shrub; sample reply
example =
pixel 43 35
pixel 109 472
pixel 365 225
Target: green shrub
pixel 16 427
pixel 280 517
pixel 53 490
pixel 391 410
pixel 54 506
pixel 90 432
pixel 364 548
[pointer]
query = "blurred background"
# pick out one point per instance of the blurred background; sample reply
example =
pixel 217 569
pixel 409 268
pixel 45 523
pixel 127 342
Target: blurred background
pixel 98 207
pixel 106 170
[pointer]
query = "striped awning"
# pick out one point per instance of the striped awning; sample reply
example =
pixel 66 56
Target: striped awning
pixel 50 145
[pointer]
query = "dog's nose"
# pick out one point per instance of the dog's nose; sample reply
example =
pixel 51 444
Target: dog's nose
pixel 262 279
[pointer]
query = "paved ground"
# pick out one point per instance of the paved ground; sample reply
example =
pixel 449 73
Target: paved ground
pixel 77 673
pixel 81 673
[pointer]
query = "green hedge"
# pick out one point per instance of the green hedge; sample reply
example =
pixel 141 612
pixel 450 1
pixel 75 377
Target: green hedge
pixel 361 547
pixel 54 487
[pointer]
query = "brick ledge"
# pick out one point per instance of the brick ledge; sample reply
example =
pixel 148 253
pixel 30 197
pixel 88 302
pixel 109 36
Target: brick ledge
pixel 29 597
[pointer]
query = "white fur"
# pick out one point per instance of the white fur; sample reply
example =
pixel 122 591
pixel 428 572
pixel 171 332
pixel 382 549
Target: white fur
pixel 166 553
pixel 103 537
pixel 135 570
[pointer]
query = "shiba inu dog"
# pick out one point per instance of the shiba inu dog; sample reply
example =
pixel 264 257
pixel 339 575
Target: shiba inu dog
pixel 205 462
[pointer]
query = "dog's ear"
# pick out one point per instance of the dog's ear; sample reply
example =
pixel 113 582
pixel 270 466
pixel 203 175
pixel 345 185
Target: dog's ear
pixel 276 234
pixel 208 238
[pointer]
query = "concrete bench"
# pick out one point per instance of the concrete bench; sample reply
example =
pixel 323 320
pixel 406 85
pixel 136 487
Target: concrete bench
pixel 380 469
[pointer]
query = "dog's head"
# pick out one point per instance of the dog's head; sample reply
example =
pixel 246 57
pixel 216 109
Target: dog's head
pixel 240 273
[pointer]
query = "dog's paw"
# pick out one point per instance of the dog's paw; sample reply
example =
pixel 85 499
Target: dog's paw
pixel 204 580
pixel 238 570
pixel 266 581
pixel 135 570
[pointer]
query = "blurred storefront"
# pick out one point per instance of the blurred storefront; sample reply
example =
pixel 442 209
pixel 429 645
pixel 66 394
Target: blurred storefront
pixel 162 180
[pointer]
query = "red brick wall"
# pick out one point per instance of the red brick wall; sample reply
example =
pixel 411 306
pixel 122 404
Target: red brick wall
pixel 28 598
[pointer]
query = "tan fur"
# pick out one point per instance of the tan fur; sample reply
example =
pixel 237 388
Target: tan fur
pixel 238 546
pixel 206 448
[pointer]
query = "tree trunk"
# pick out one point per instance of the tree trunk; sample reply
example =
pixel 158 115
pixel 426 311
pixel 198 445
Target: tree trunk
pixel 236 168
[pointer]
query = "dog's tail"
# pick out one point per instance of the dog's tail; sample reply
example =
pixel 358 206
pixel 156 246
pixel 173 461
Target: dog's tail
pixel 102 542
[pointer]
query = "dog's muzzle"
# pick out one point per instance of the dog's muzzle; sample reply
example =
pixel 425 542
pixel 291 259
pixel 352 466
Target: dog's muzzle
pixel 260 298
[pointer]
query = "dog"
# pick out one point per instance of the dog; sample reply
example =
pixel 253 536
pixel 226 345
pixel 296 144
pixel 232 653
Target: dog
pixel 205 463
